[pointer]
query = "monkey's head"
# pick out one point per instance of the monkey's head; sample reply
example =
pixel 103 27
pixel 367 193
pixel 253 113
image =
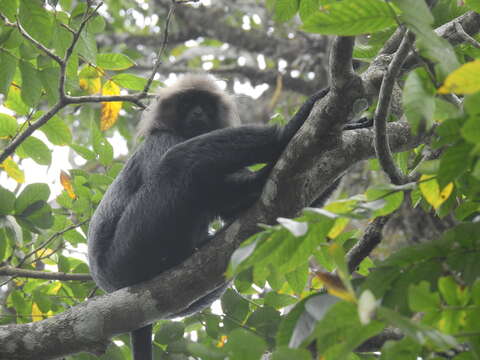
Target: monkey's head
pixel 193 106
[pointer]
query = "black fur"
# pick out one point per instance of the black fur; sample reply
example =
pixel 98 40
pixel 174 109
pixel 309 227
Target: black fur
pixel 189 170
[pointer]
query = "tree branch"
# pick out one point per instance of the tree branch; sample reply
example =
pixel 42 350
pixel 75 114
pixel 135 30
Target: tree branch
pixel 372 236
pixel 86 327
pixel 34 274
pixel 382 146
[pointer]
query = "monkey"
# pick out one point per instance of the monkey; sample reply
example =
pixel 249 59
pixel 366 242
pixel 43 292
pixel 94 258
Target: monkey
pixel 190 169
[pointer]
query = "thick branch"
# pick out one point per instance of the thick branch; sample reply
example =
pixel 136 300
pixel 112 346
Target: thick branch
pixel 341 68
pixel 89 325
pixel 371 238
pixel 470 23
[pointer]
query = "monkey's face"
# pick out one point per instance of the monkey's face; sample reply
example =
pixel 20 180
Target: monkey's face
pixel 198 113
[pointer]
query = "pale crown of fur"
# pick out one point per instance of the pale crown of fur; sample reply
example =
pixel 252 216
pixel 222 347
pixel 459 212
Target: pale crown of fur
pixel 154 117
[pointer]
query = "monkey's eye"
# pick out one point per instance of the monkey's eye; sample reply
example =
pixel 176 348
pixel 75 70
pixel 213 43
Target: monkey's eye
pixel 196 122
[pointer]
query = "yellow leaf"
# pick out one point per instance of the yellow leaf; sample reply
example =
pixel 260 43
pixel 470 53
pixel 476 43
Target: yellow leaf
pixel 37 314
pixel 335 286
pixel 222 341
pixel 338 227
pixel 43 253
pixel 91 85
pixel 111 109
pixel 430 190
pixel 12 170
pixel 56 288
pixel 464 80
pixel 66 182
pixel 19 283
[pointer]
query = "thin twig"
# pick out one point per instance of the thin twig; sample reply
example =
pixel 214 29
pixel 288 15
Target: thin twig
pixel 49 240
pixel 76 36
pixel 39 45
pixel 30 129
pixel 465 36
pixel 34 274
pixel 158 62
pixel 382 147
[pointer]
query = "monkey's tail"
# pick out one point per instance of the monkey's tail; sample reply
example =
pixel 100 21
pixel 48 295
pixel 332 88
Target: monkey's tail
pixel 142 343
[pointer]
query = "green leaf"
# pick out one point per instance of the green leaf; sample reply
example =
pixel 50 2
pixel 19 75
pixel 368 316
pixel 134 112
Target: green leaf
pixel 20 303
pixel 74 237
pixel 418 18
pixel 31 84
pixel 36 20
pixel 339 332
pixel 415 11
pixel 42 299
pixel 420 298
pixel 169 332
pixel 101 146
pixel 312 310
pixel 471 130
pixel 87 46
pixel 307 8
pixel 448 288
pixel 419 100
pixel 31 194
pixel 298 278
pixel 279 301
pixel 83 152
pixel 9 8
pixel 285 9
pixel 453 163
pixel 39 214
pixel 285 353
pixel 99 179
pixel 96 24
pixel 473 4
pixel 418 332
pixel 204 352
pixel 401 350
pixel 129 81
pixel 8 125
pixel 61 40
pixel 15 102
pixel 244 345
pixel 6 242
pixel 264 320
pixel 393 199
pixel 57 132
pixel 351 17
pixel 7 201
pixel 234 306
pixel 36 149
pixel 466 209
pixel 49 78
pixel 8 65
pixel 114 61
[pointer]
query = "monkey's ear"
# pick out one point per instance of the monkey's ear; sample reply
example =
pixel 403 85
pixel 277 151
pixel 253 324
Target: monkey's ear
pixel 228 112
pixel 160 115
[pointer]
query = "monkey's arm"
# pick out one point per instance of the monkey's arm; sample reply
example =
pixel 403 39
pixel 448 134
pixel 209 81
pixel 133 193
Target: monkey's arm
pixel 241 190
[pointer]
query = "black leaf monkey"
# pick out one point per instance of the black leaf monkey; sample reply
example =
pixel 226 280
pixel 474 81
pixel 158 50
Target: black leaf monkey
pixel 190 169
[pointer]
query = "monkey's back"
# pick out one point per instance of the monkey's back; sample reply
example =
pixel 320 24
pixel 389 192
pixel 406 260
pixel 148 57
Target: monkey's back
pixel 144 224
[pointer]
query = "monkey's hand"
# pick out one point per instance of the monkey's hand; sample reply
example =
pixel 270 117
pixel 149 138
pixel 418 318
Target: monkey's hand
pixel 361 123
